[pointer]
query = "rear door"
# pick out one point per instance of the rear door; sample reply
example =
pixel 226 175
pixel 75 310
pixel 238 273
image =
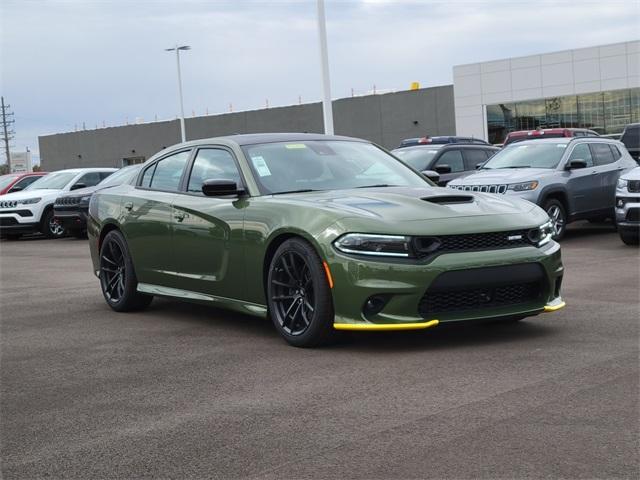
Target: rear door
pixel 454 160
pixel 607 175
pixel 147 218
pixel 208 231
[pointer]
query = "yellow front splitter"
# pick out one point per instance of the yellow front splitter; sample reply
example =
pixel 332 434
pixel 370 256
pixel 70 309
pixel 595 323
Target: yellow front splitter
pixel 554 306
pixel 379 327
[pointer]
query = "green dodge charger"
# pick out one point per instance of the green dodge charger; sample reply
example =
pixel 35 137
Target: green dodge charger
pixel 319 233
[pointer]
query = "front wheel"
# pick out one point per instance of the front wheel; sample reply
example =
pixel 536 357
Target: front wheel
pixel 299 296
pixel 117 276
pixel 558 216
pixel 50 227
pixel 630 237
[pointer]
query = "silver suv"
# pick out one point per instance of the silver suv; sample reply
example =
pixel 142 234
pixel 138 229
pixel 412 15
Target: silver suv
pixel 628 207
pixel 571 178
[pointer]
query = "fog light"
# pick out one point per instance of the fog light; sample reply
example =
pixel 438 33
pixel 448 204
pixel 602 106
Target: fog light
pixel 620 203
pixel 375 304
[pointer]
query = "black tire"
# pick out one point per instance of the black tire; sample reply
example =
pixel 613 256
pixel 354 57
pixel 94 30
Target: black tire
pixel 630 237
pixel 117 276
pixel 49 228
pixel 299 296
pixel 80 234
pixel 558 215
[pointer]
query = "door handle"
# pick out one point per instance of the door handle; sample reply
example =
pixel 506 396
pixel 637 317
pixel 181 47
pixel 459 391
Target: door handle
pixel 128 205
pixel 179 216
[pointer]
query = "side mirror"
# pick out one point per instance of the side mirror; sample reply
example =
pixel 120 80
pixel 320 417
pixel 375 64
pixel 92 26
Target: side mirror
pixel 431 175
pixel 219 188
pixel 480 165
pixel 17 188
pixel 444 168
pixel 78 186
pixel 576 163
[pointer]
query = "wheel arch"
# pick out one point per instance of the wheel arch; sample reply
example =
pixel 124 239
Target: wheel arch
pixel 559 194
pixel 106 228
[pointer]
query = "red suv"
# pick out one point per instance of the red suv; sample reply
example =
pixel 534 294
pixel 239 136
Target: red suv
pixel 14 182
pixel 548 133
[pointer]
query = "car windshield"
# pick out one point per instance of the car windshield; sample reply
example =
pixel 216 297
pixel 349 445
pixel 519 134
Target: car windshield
pixel 417 157
pixel 54 181
pixel 5 180
pixel 124 175
pixel 532 155
pixel 326 165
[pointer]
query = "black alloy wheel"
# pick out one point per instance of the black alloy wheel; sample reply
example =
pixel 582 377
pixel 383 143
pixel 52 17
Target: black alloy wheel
pixel 299 296
pixel 117 276
pixel 50 227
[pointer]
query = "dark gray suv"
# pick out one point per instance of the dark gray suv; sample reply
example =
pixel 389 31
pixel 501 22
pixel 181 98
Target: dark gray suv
pixel 571 178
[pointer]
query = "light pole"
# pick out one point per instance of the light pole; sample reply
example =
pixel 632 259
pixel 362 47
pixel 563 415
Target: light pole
pixel 327 108
pixel 177 50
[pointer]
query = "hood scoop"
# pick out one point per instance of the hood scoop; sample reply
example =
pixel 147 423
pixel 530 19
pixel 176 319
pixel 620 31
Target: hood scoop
pixel 449 199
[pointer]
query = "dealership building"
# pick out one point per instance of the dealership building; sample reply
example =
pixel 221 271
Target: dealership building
pixel 596 88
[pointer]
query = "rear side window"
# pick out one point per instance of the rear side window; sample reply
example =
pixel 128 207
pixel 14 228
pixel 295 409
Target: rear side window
pixel 474 156
pixel 212 164
pixel 166 173
pixel 615 151
pixel 453 158
pixel 582 152
pixel 602 154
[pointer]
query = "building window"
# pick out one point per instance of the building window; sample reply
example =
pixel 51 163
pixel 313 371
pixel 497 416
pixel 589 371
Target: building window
pixel 605 112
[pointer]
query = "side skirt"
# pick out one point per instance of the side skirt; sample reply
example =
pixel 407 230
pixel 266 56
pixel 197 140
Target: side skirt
pixel 187 295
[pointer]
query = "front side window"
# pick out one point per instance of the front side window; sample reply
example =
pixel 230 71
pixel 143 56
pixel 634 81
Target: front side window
pixel 474 157
pixel 602 153
pixel 90 179
pixel 25 182
pixel 452 158
pixel 212 164
pixel 281 167
pixel 582 152
pixel 54 181
pixel 538 154
pixel 166 173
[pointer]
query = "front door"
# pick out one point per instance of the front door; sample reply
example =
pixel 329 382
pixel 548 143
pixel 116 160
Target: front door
pixel 453 159
pixel 208 231
pixel 582 182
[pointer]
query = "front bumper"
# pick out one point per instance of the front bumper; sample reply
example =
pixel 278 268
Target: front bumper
pixel 627 209
pixel 405 285
pixel 75 219
pixel 9 225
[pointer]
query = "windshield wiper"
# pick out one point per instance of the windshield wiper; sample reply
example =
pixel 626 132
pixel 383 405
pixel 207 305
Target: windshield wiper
pixel 302 190
pixel 375 186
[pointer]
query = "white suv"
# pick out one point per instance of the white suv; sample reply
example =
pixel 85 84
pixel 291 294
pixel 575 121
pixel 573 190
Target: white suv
pixel 31 210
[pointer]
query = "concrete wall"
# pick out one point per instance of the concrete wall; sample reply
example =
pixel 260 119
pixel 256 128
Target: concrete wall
pixel 384 119
pixel 569 72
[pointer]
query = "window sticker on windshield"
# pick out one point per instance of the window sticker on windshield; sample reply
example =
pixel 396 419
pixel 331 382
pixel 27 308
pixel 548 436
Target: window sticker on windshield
pixel 293 146
pixel 261 166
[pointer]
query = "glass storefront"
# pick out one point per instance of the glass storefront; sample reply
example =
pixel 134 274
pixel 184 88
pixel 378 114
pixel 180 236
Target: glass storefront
pixel 604 112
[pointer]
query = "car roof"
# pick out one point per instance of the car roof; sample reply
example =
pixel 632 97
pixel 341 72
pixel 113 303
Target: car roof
pixel 567 140
pixel 88 169
pixel 254 138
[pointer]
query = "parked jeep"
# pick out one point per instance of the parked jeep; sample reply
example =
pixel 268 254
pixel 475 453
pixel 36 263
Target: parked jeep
pixel 572 178
pixel 628 207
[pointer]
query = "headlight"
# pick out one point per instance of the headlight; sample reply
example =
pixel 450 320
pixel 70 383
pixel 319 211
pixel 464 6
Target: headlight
pixel 523 187
pixel 29 201
pixel 542 235
pixel 377 245
pixel 86 199
pixel 622 184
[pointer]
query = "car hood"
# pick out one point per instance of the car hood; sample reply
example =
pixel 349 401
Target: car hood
pixel 633 174
pixel 401 204
pixel 25 194
pixel 503 175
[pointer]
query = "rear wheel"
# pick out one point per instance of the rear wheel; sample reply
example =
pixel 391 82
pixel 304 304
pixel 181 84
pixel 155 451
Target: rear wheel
pixel 117 276
pixel 50 227
pixel 299 296
pixel 558 216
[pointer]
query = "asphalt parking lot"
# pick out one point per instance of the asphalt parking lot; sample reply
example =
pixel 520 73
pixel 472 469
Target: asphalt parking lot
pixel 188 391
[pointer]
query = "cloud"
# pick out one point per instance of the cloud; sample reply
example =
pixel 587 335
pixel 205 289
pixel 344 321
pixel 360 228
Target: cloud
pixel 65 62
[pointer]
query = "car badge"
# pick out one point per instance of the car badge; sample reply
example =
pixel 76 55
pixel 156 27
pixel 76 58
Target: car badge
pixel 513 238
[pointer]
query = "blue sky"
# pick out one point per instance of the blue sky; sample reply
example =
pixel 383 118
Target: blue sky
pixel 73 61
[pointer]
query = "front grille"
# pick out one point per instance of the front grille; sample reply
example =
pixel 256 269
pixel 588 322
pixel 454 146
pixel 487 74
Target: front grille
pixel 427 246
pixel 633 215
pixel 8 204
pixel 478 298
pixel 483 288
pixel 67 201
pixel 634 186
pixel 499 188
